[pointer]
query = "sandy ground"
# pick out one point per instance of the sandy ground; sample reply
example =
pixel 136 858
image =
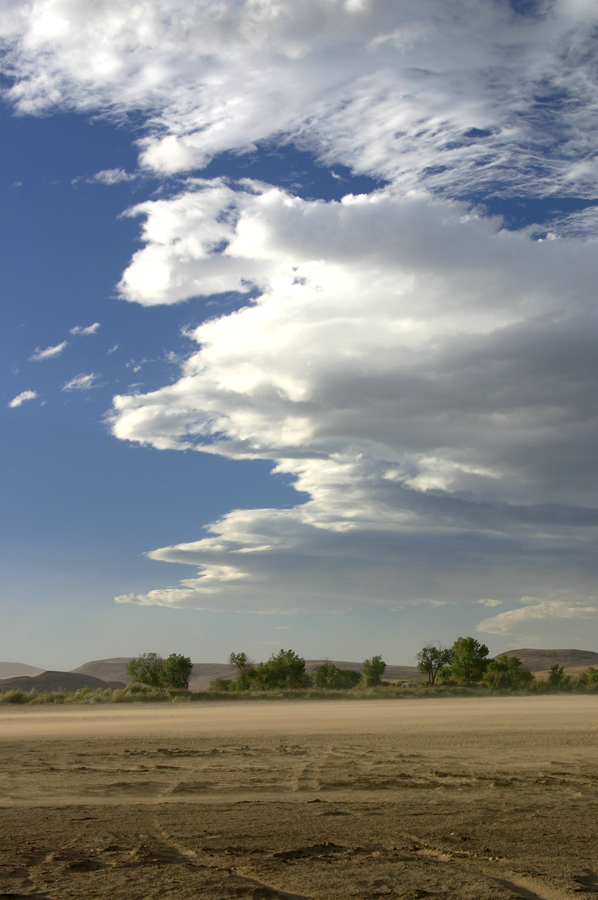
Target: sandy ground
pixel 469 799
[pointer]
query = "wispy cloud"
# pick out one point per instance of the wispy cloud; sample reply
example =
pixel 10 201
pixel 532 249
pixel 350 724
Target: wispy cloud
pixel 81 382
pixel 22 398
pixel 111 176
pixel 418 92
pixel 48 353
pixel 91 329
pixel 540 609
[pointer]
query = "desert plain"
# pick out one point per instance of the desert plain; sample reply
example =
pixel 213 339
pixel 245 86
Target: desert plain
pixel 476 798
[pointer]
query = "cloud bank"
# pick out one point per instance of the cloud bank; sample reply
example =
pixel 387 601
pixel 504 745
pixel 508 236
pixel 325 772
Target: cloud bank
pixel 426 377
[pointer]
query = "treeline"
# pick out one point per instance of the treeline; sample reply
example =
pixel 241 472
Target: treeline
pixel 464 664
pixel 467 663
pixel 285 670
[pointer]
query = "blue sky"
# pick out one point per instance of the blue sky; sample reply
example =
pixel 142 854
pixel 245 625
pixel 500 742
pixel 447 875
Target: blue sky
pixel 348 426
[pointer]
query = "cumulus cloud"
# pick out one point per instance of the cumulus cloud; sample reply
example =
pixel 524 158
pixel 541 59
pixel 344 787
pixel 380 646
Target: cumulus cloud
pixel 81 382
pixel 454 96
pixel 22 398
pixel 91 329
pixel 48 353
pixel 424 376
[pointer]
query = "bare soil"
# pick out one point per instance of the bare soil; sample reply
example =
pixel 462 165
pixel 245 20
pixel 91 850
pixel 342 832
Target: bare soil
pixel 475 799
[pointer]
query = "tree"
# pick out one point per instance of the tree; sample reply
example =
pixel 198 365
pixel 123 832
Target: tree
pixel 147 669
pixel 469 660
pixel 507 673
pixel 221 684
pixel 283 670
pixel 176 671
pixel 588 679
pixel 431 659
pixel 328 676
pixel 557 679
pixel 244 665
pixel 373 670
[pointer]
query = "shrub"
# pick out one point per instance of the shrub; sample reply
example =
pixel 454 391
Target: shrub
pixel 16 696
pixel 283 670
pixel 222 684
pixel 328 676
pixel 588 679
pixel 507 673
pixel 151 669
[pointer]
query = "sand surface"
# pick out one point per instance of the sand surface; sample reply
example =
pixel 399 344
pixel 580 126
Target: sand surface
pixel 461 798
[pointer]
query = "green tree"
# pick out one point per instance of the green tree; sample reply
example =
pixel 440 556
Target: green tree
pixel 374 669
pixel 176 671
pixel 222 684
pixel 588 679
pixel 469 660
pixel 431 659
pixel 330 677
pixel 147 669
pixel 507 673
pixel 557 680
pixel 283 670
pixel 244 665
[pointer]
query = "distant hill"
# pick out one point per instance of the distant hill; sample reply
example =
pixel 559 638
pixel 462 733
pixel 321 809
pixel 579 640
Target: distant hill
pixel 114 669
pixel 55 681
pixel 540 661
pixel 12 669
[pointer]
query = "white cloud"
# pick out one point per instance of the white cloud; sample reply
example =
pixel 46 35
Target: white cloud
pixel 48 353
pixel 112 176
pixel 22 398
pixel 91 329
pixel 454 96
pixel 425 377
pixel 541 610
pixel 81 382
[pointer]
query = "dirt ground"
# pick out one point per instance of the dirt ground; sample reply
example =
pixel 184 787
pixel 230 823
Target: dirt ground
pixel 469 799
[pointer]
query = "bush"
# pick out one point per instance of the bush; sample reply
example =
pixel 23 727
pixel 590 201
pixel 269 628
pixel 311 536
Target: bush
pixel 327 676
pixel 507 673
pixel 588 680
pixel 222 684
pixel 151 669
pixel 16 696
pixel 283 670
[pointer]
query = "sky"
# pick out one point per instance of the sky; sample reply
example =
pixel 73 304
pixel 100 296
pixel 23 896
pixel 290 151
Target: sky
pixel 298 327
